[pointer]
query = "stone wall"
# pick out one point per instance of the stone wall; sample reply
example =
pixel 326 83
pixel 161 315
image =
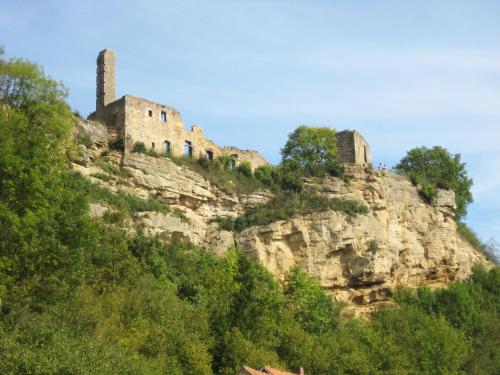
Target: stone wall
pixel 113 116
pixel 156 125
pixel 144 123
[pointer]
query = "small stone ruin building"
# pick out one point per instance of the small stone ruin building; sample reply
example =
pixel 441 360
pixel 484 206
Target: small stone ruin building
pixel 161 128
pixel 158 126
pixel 352 148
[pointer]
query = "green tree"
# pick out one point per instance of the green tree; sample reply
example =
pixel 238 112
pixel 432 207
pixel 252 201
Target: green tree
pixel 44 223
pixel 436 168
pixel 315 150
pixel 311 306
pixel 472 307
pixel 429 343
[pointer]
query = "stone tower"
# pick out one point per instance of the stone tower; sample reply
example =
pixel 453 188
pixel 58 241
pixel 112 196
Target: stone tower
pixel 352 148
pixel 105 82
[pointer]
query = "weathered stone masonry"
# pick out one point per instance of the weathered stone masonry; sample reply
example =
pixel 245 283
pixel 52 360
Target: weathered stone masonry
pixel 158 126
pixel 352 148
pixel 161 127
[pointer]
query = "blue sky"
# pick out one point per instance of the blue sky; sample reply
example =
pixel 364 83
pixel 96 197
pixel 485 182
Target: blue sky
pixel 404 73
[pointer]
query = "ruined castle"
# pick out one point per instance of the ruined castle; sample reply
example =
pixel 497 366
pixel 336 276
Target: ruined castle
pixel 161 128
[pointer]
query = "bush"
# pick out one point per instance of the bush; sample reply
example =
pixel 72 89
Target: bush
pixel 471 307
pixel 152 153
pixel 245 169
pixel 139 147
pixel 290 176
pixel 267 175
pixel 110 168
pixel 309 152
pixel 429 193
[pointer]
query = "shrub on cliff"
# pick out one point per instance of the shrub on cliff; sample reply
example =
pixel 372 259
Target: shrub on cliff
pixel 139 147
pixel 433 168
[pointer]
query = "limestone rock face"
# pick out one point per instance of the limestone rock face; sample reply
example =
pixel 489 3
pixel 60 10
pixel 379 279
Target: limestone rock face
pixel 194 202
pixel 401 241
pixel 92 139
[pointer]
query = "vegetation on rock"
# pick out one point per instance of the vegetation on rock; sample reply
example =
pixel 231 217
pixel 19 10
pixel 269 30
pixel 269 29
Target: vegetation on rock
pixel 287 205
pixel 433 168
pixel 119 200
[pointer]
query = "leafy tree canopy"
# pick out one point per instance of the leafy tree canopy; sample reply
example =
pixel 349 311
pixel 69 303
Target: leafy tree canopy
pixel 43 217
pixel 434 168
pixel 314 149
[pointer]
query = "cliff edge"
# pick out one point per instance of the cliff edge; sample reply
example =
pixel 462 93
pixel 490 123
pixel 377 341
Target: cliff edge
pixel 359 259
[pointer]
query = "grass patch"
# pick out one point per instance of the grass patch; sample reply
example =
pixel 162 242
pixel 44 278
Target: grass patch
pixel 288 205
pixel 372 246
pixel 237 180
pixel 120 200
pixel 102 176
pixel 84 139
pixel 110 168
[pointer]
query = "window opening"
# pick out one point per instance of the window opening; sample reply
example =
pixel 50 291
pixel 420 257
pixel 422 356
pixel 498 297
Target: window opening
pixel 188 149
pixel 166 147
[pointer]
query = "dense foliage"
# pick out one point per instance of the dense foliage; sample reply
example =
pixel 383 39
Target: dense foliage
pixel 433 168
pixel 80 295
pixel 471 308
pixel 314 149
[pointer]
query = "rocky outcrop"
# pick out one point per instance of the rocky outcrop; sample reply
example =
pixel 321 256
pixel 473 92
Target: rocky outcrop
pixel 91 138
pixel 194 202
pixel 360 260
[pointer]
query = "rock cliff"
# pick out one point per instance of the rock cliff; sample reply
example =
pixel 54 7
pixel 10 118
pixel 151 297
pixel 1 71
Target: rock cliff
pixel 401 241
